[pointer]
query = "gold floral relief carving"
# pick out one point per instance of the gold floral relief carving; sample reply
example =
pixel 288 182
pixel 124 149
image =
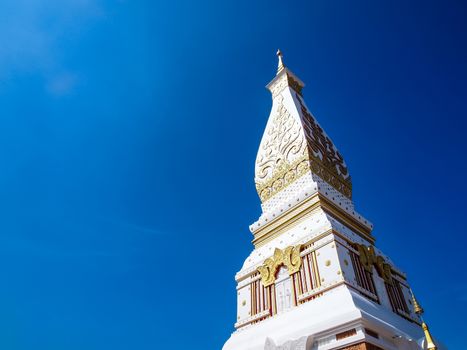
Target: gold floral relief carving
pixel 283 177
pixel 281 151
pixel 290 257
pixel 368 259
pixel 294 84
pixel 292 147
pixel 327 162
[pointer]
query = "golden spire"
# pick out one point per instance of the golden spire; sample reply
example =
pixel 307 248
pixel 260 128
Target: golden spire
pixel 280 65
pixel 430 344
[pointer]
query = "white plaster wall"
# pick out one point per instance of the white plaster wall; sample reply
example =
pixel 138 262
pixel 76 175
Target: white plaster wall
pixel 345 262
pixel 243 294
pixel 328 264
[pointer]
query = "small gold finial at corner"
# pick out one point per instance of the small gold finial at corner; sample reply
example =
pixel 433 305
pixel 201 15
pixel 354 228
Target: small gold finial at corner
pixel 430 344
pixel 280 65
pixel 416 306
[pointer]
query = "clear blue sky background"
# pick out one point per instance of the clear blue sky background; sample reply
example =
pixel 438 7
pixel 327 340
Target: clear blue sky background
pixel 128 135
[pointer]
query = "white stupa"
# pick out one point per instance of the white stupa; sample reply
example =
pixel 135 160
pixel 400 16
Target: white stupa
pixel 315 279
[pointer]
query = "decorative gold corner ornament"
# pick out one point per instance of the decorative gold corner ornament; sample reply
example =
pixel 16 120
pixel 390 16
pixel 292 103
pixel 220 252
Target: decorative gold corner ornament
pixel 290 257
pixel 416 306
pixel 430 344
pixel 368 258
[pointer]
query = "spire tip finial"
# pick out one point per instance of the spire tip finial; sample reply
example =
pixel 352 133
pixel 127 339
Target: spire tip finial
pixel 280 65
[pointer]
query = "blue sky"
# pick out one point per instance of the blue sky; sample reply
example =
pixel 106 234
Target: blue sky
pixel 129 131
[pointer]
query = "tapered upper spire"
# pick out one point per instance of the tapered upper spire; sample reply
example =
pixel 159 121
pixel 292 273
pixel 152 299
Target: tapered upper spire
pixel 294 144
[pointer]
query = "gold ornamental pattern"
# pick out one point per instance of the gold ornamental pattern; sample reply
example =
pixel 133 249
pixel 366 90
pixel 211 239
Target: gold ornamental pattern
pixel 290 257
pixel 368 259
pixel 283 154
pixel 326 161
pixel 293 147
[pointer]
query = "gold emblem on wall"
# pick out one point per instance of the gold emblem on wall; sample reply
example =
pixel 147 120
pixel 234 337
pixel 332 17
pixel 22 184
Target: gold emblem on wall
pixel 290 257
pixel 368 258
